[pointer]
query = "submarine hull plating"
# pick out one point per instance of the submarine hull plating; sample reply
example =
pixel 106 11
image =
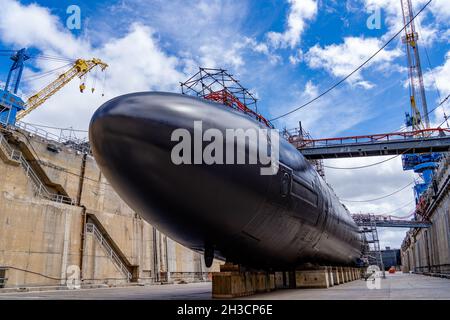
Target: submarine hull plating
pixel 263 221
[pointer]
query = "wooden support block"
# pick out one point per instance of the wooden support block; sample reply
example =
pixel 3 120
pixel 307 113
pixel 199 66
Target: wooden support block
pixel 349 274
pixel 232 284
pixel 358 273
pixel 272 285
pixel 337 277
pixel 262 282
pixel 345 272
pixel 230 267
pixel 280 282
pixel 331 279
pixel 342 275
pixel 317 278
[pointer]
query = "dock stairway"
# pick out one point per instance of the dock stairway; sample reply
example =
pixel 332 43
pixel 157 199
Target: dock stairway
pixel 95 227
pixel 16 157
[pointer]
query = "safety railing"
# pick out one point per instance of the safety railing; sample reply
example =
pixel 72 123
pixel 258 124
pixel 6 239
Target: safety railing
pixel 69 139
pixel 300 142
pixel 3 278
pixel 91 228
pixel 39 187
pixel 8 151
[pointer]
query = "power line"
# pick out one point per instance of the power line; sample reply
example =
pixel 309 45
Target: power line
pixel 399 208
pixel 354 71
pixel 366 166
pixel 394 157
pixel 383 197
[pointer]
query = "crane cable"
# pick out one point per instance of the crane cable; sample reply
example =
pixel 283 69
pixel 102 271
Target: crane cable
pixel 380 198
pixel 46 73
pixel 434 79
pixel 388 214
pixel 356 70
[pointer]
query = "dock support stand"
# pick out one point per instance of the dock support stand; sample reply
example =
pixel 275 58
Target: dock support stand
pixel 346 275
pixel 341 274
pixel 232 282
pixel 312 278
pixel 337 277
pixel 331 276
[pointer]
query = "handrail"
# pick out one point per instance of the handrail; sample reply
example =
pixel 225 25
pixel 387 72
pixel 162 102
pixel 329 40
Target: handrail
pixel 39 187
pixel 81 145
pixel 91 228
pixel 394 136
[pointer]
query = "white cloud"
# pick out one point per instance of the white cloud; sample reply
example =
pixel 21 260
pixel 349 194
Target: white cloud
pixel 341 59
pixel 325 117
pixel 208 32
pixel 428 32
pixel 300 12
pixel 439 77
pixel 441 9
pixel 136 63
pixel 297 57
pixel 34 25
pixel 374 182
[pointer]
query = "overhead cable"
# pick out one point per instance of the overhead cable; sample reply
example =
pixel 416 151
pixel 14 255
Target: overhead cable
pixel 354 71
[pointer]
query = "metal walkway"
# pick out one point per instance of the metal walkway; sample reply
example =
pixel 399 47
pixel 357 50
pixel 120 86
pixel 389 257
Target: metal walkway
pixel 368 220
pixel 16 157
pixel 422 141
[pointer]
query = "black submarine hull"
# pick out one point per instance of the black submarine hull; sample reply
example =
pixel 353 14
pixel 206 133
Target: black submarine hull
pixel 264 221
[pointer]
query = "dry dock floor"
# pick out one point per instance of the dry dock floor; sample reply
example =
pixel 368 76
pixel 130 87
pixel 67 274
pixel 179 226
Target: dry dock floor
pixel 394 287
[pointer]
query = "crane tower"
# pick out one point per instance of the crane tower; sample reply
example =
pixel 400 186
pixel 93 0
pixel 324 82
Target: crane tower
pixel 419 118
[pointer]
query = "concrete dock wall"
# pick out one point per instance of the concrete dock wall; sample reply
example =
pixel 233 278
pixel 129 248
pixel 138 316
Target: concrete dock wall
pixel 428 250
pixel 40 240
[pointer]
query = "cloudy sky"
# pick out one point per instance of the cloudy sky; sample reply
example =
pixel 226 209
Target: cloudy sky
pixel 285 51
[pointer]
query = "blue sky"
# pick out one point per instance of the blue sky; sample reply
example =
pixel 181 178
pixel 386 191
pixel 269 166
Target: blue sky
pixel 285 51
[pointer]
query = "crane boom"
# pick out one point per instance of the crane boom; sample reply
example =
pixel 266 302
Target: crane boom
pixel 417 89
pixel 80 68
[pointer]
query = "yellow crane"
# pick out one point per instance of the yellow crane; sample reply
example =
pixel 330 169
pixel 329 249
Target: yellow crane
pixel 80 68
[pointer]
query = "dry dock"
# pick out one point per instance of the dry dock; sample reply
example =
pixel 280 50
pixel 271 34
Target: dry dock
pixel 60 217
pixel 395 287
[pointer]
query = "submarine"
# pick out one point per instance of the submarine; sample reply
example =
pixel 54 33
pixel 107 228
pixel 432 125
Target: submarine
pixel 224 210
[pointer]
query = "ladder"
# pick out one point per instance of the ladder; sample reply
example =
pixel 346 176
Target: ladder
pixel 92 229
pixel 372 250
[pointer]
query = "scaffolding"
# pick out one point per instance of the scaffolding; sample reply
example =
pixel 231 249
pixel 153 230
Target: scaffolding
pixel 371 253
pixel 298 135
pixel 219 86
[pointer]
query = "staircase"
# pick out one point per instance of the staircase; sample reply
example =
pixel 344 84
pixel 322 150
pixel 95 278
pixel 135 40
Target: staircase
pixel 15 157
pixel 119 259
pixel 371 246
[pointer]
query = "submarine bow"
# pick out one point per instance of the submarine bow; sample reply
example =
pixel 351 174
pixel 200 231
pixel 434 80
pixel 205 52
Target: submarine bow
pixel 229 211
